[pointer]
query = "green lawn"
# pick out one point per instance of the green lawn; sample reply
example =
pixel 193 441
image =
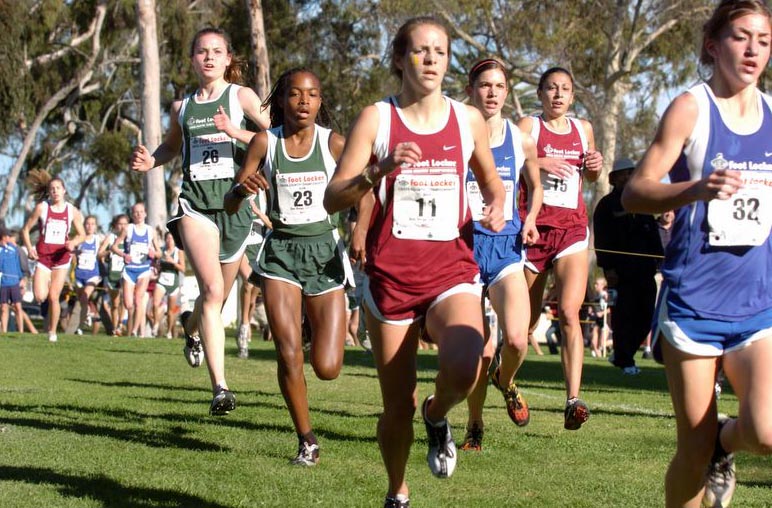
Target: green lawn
pixel 98 421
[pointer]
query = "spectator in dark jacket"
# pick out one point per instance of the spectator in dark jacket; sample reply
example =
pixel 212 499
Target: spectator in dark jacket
pixel 628 249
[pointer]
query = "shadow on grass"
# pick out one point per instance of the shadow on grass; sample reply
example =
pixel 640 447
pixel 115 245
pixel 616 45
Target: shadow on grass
pixel 172 437
pixel 106 490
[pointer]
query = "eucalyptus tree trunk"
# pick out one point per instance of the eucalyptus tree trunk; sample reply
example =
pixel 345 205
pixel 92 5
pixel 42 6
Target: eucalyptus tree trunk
pixel 259 55
pixel 154 181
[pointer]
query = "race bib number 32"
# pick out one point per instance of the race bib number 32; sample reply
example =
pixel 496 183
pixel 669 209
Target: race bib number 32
pixel 745 218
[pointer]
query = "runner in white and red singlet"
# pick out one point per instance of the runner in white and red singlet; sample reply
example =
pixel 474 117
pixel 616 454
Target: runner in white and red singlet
pixel 53 250
pixel 414 151
pixel 566 150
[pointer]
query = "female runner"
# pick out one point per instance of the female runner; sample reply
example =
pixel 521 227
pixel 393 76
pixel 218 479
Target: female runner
pixel 302 262
pixel 566 150
pixel 171 267
pixel 715 306
pixel 500 255
pixel 413 151
pixel 208 126
pixel 87 276
pixel 138 246
pixel 54 248
pixel 114 271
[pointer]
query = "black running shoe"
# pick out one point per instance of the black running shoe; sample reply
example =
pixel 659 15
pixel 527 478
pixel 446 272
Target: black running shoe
pixel 194 352
pixel 308 454
pixel 224 402
pixel 441 456
pixel 395 502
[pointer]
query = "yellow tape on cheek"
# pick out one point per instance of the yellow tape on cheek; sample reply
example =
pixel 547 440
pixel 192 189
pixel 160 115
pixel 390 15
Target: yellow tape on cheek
pixel 415 59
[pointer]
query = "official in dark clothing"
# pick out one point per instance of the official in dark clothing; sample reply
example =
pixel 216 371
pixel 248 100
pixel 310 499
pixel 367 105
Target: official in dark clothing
pixel 631 275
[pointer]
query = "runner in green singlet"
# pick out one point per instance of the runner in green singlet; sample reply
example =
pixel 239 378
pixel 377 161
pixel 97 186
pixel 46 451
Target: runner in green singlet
pixel 208 128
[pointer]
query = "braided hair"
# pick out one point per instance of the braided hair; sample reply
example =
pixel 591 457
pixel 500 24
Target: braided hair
pixel 277 95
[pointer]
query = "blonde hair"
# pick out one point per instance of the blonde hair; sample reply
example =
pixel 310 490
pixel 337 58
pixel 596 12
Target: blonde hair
pixel 38 181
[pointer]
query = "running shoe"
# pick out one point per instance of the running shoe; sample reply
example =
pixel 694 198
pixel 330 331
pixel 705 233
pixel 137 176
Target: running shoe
pixel 78 332
pixel 441 456
pixel 223 402
pixel 243 341
pixel 632 370
pixel 576 413
pixel 720 477
pixel 647 354
pixel 194 352
pixel 473 439
pixel 517 408
pixel 308 454
pixel 52 337
pixel 396 502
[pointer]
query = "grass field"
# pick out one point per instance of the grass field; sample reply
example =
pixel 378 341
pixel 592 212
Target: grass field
pixel 98 421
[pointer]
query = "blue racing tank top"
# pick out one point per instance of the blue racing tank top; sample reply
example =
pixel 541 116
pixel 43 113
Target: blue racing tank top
pixel 509 158
pixel 87 266
pixel 718 264
pixel 137 245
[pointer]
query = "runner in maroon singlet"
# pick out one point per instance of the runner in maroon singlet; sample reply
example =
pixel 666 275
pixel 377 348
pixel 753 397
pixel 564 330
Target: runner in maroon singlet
pixel 53 250
pixel 566 150
pixel 414 150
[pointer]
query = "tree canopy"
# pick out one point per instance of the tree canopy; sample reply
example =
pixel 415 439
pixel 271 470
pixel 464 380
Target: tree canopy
pixel 70 87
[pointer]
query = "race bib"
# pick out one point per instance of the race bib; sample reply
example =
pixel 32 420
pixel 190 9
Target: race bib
pixel 476 201
pixel 301 197
pixel 87 260
pixel 138 253
pixel 116 263
pixel 563 193
pixel 426 207
pixel 255 237
pixel 745 218
pixel 56 232
pixel 166 278
pixel 211 157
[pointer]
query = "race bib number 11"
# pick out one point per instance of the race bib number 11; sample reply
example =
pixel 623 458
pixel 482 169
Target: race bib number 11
pixel 426 207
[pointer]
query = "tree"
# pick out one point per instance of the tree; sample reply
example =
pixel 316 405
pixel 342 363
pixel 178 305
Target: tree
pixel 155 190
pixel 258 56
pixel 630 49
pixel 79 84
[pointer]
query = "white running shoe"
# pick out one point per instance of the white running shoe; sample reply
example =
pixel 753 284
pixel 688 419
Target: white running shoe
pixel 441 456
pixel 720 477
pixel 52 337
